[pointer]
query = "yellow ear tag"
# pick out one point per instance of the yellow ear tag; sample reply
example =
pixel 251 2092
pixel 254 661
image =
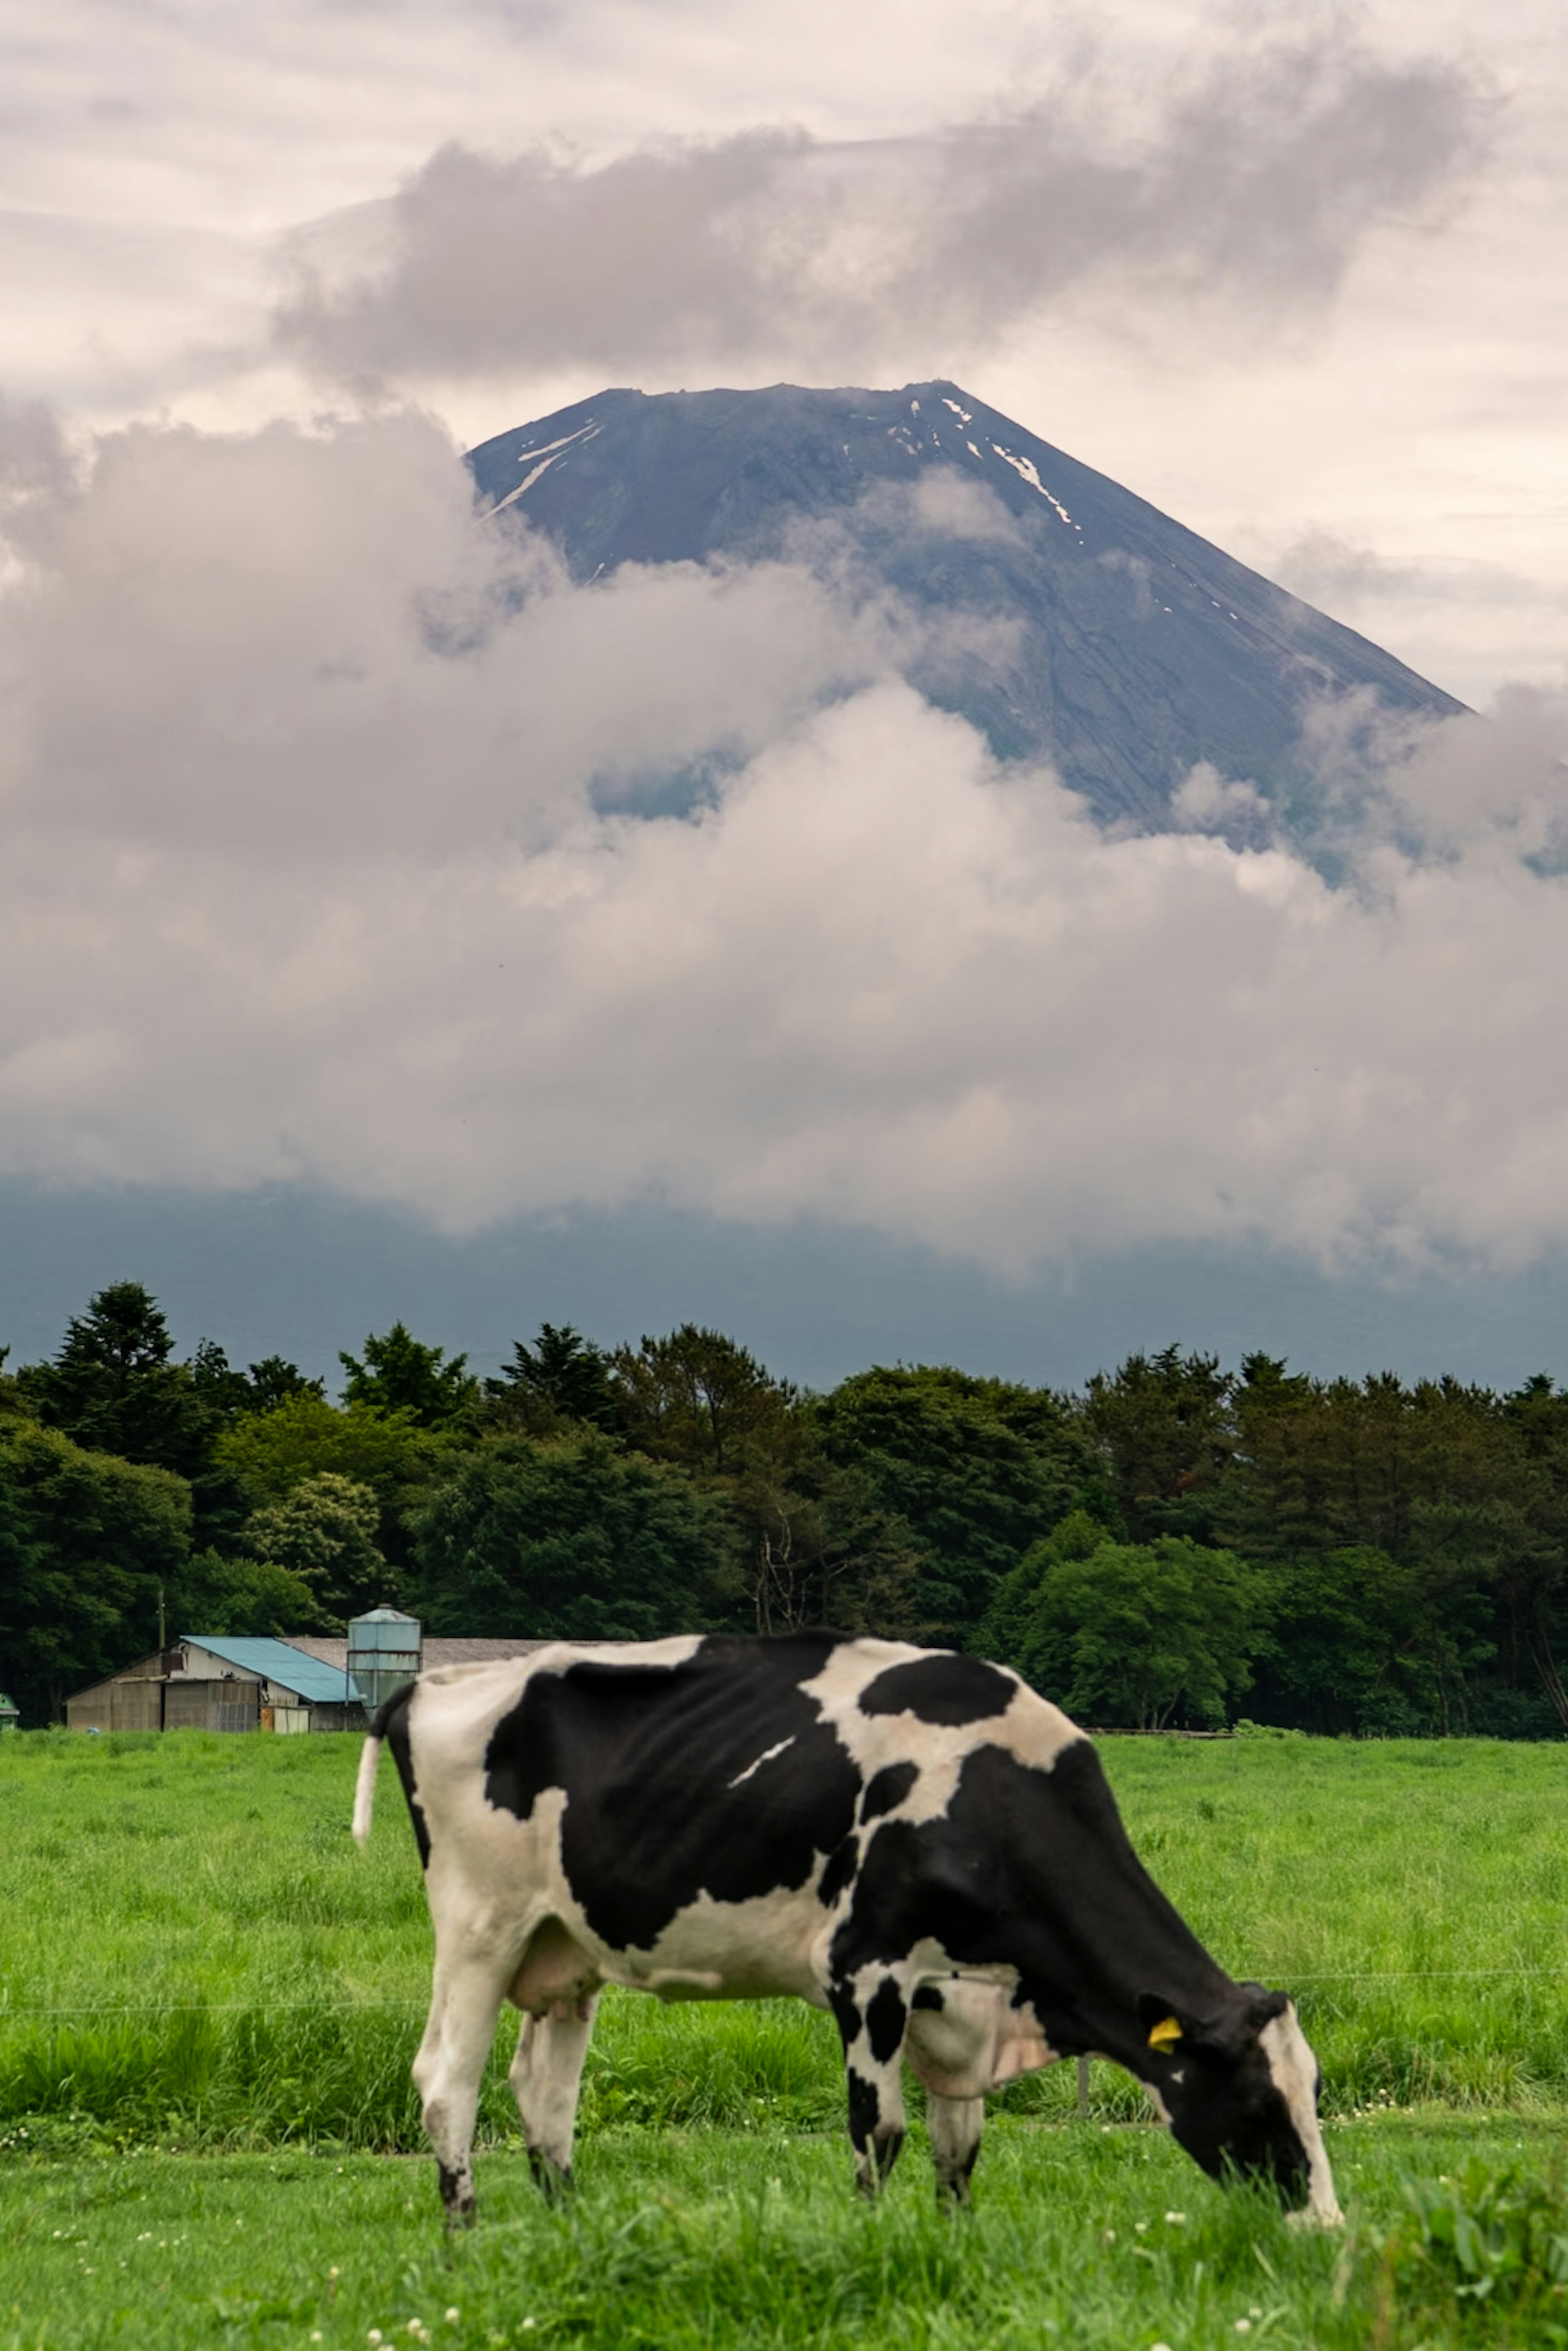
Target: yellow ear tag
pixel 1165 2034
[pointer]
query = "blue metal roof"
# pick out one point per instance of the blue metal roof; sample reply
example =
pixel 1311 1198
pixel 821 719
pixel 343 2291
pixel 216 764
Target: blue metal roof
pixel 276 1661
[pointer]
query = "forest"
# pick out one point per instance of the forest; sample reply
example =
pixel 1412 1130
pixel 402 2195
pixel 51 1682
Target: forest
pixel 1179 1545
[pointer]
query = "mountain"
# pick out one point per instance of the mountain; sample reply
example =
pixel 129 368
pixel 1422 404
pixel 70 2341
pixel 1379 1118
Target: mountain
pixel 1066 617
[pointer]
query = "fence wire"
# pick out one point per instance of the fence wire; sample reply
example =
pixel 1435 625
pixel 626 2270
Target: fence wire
pixel 409 2007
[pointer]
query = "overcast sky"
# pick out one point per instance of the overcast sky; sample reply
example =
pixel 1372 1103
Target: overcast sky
pixel 307 877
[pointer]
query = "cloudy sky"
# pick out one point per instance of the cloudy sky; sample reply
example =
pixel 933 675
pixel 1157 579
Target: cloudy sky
pixel 305 890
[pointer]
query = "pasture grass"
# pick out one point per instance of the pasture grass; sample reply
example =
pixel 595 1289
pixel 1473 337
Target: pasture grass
pixel 193 1952
pixel 209 1999
pixel 1103 2239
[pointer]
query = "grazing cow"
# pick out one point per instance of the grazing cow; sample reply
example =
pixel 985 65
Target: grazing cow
pixel 910 1838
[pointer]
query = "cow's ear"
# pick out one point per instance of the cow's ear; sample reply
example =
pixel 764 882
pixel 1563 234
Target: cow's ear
pixel 1225 2039
pixel 1221 2040
pixel 1263 2007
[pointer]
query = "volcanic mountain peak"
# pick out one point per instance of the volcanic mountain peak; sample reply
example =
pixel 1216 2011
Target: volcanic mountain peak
pixel 1096 631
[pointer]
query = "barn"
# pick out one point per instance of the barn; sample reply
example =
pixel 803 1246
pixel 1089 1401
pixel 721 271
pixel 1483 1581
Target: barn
pixel 220 1681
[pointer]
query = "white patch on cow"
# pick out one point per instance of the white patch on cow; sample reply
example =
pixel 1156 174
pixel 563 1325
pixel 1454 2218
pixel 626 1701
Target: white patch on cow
pixel 772 1946
pixel 1294 2069
pixel 1029 1728
pixel 765 1757
pixel 976 2040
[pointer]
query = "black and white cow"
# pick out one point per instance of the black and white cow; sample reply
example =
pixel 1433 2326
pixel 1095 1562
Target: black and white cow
pixel 910 1838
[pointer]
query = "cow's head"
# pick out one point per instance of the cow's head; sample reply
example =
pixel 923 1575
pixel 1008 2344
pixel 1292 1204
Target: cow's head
pixel 1240 2091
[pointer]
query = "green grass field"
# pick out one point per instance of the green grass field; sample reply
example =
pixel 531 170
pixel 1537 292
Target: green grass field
pixel 209 1999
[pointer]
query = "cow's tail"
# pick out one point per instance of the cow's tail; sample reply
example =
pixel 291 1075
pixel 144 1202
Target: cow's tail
pixel 365 1787
pixel 369 1756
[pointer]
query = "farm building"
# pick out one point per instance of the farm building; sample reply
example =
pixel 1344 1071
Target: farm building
pixel 215 1681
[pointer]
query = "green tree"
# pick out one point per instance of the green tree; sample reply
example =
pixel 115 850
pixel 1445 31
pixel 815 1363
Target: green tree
pixel 273 1381
pixel 1448 1497
pixel 401 1374
pixel 219 1593
pixel 818 1547
pixel 1130 1632
pixel 563 1377
pixel 89 1540
pixel 113 1389
pixel 322 1533
pixel 272 1452
pixel 567 1538
pixel 1162 1425
pixel 976 1470
pixel 698 1399
pixel 1346 1634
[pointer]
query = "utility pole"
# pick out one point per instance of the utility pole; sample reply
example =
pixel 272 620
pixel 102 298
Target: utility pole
pixel 162 1628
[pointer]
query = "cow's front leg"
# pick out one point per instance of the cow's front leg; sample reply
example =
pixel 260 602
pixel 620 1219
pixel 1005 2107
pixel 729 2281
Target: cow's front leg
pixel 954 2125
pixel 547 2075
pixel 872 2013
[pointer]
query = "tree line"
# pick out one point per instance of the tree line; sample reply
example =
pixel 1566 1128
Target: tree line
pixel 1177 1545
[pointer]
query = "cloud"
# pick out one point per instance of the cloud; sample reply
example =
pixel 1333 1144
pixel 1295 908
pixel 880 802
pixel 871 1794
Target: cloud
pixel 315 869
pixel 1256 183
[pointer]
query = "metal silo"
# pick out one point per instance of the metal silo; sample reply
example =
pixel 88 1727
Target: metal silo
pixel 384 1649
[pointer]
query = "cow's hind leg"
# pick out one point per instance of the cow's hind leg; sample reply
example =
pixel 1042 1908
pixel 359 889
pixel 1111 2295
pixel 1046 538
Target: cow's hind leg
pixel 954 2125
pixel 446 2073
pixel 872 2013
pixel 546 2075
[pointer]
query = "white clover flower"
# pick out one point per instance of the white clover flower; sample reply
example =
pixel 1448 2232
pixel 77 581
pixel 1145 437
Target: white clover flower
pixel 1140 2226
pixel 374 2335
pixel 452 2316
pixel 1177 2219
pixel 1244 2326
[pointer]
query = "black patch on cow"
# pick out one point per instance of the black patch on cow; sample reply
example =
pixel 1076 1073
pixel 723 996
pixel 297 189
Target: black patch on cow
pixel 927 1996
pixel 941 1689
pixel 865 2109
pixel 885 2018
pixel 889 1788
pixel 648 1757
pixel 457 2195
pixel 1030 1868
pixel 392 1725
pixel 839 1871
pixel 846 2015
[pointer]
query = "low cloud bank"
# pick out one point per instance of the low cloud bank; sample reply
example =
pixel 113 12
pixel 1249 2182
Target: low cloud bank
pixel 1257 182
pixel 319 864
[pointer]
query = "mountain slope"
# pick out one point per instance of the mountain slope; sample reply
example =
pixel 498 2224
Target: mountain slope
pixel 1070 618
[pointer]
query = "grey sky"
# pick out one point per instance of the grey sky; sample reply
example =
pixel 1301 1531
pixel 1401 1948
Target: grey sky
pixel 1252 187
pixel 307 875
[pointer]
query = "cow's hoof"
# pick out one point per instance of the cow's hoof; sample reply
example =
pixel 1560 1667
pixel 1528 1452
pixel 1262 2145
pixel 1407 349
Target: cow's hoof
pixel 551 2178
pixel 457 2197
